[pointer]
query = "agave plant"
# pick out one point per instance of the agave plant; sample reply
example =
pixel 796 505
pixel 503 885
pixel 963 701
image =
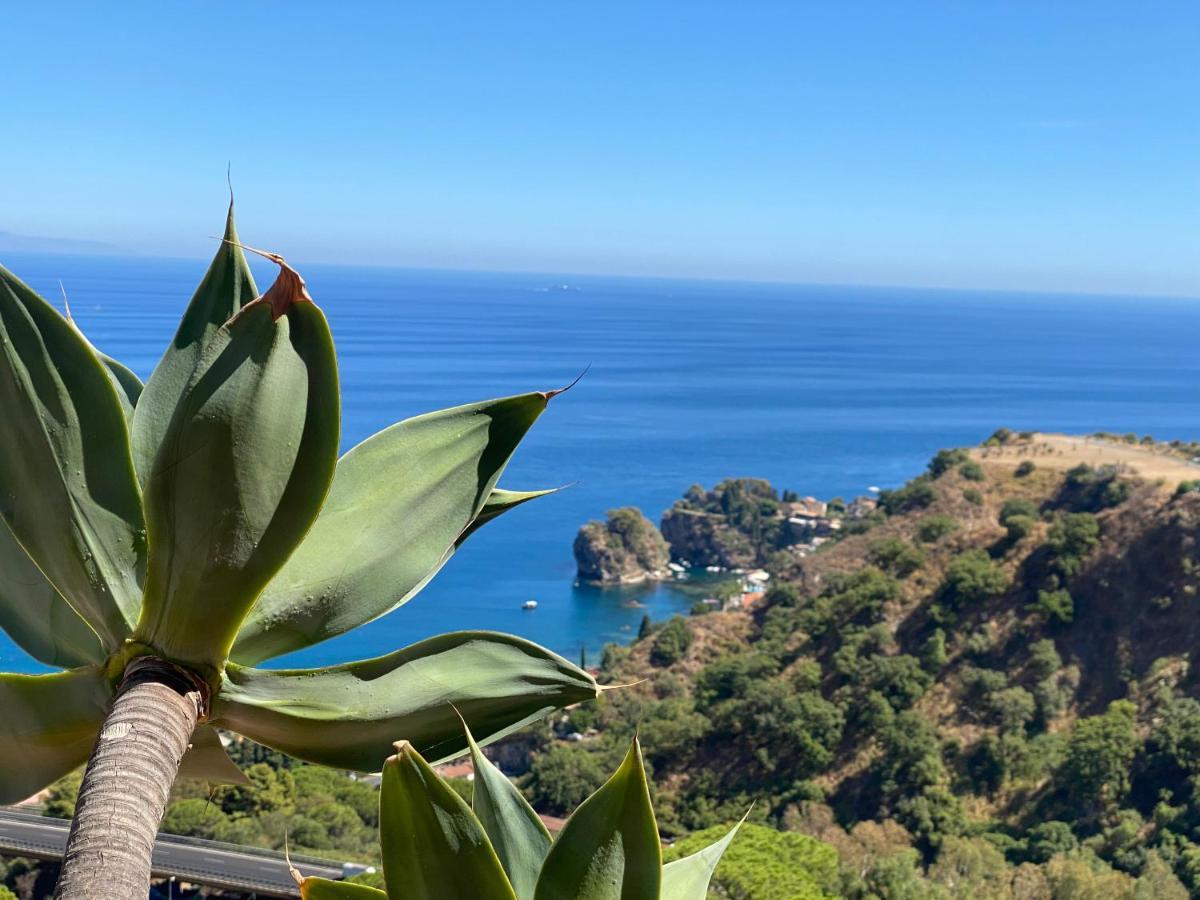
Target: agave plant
pixel 436 847
pixel 157 544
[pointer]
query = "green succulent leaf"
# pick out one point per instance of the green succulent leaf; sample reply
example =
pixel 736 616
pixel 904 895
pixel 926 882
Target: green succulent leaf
pixel 433 846
pixel 399 502
pixel 36 616
pixel 227 287
pixel 243 468
pixel 206 760
pixel 609 848
pixel 518 836
pixel 129 387
pixel 688 878
pixel 67 487
pixel 499 502
pixel 48 726
pixel 348 716
pixel 324 889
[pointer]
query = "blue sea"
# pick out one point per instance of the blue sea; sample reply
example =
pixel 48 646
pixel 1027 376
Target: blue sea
pixel 823 390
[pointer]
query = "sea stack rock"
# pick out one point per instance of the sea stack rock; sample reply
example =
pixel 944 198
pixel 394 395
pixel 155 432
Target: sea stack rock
pixel 624 549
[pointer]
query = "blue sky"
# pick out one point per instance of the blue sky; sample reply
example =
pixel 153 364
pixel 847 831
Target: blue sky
pixel 1006 145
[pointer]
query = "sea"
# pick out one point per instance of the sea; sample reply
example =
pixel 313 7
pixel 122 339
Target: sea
pixel 824 390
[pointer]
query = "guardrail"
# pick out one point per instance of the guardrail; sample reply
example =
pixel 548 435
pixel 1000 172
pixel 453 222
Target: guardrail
pixel 194 860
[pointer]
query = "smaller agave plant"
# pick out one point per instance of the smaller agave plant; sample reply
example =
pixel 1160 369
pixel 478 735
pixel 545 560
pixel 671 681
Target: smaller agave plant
pixel 436 847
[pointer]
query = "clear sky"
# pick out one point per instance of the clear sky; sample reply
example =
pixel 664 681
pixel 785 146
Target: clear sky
pixel 1007 145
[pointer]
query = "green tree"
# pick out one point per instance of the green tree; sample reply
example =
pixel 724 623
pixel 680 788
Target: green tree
pixel 896 556
pixel 971 578
pixel 1056 607
pixel 269 790
pixel 153 535
pixel 194 817
pixel 970 867
pixel 945 460
pixel 1049 839
pixel 933 528
pixel 1099 755
pixel 1019 527
pixel 917 494
pixel 933 652
pixel 671 642
pixel 60 801
pixel 1071 539
pixel 562 778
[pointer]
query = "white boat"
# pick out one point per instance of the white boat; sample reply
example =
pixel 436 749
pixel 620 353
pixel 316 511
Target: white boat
pixel 529 604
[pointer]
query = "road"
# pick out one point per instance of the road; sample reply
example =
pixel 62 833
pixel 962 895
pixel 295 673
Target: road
pixel 225 866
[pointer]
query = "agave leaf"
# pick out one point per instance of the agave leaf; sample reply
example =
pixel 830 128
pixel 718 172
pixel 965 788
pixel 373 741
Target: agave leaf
pixel 67 488
pixel 36 616
pixel 399 501
pixel 688 878
pixel 227 286
pixel 127 385
pixel 348 716
pixel 243 468
pixel 206 760
pixel 324 889
pixel 609 848
pixel 499 502
pixel 433 846
pixel 48 726
pixel 517 834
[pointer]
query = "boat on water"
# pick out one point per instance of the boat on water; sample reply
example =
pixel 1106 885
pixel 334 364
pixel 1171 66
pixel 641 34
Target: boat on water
pixel 529 604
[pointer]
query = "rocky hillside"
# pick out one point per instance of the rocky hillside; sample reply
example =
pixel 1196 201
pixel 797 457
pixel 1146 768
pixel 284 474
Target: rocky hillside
pixel 982 688
pixel 624 549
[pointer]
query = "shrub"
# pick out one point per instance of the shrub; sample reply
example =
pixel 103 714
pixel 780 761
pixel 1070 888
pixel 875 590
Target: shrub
pixel 896 556
pixel 1090 490
pixel 1187 487
pixel 1057 607
pixel 767 864
pixel 933 528
pixel 945 460
pixel 1024 469
pixel 973 497
pixel 1019 527
pixel 1049 839
pixel 1071 539
pixel 933 652
pixel 671 642
pixel 972 577
pixel 998 437
pixel 1012 508
pixel 917 494
pixel 1044 660
pixel 1011 709
pixel 971 471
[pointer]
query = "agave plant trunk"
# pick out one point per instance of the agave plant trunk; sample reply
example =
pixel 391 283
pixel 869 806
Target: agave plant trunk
pixel 127 783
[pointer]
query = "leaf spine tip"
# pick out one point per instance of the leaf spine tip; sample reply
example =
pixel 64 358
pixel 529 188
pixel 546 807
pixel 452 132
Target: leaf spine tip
pixel 550 395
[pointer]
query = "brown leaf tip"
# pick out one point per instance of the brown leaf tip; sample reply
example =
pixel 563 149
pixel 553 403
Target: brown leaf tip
pixel 289 288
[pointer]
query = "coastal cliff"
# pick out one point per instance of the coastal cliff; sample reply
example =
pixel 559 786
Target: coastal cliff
pixel 624 549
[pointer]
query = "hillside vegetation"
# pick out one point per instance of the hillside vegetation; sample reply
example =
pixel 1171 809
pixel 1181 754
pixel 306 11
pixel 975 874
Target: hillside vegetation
pixel 982 688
